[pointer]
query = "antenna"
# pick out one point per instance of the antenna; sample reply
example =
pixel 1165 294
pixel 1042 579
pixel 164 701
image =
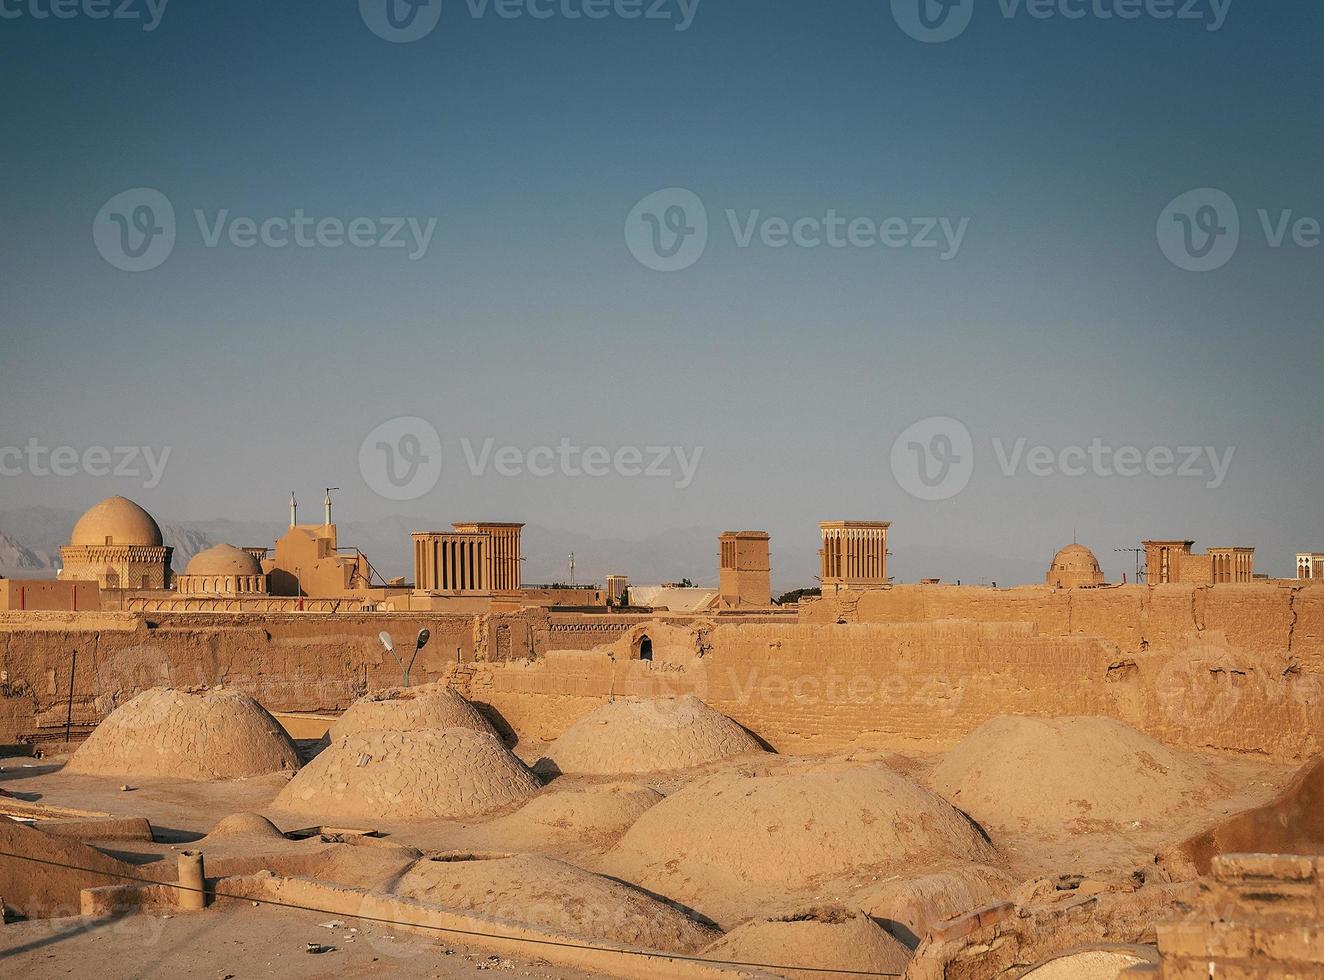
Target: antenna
pixel 1140 572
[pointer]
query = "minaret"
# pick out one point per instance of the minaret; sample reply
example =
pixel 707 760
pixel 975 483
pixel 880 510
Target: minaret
pixel 294 510
pixel 327 504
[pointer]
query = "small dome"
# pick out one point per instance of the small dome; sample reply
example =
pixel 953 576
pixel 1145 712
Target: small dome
pixel 224 559
pixel 1075 558
pixel 117 521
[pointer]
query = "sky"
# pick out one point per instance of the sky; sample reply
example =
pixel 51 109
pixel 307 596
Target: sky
pixel 1056 276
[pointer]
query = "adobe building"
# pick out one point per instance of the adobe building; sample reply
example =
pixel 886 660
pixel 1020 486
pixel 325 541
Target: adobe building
pixel 744 569
pixel 618 590
pixel 50 595
pixel 854 555
pixel 307 561
pixel 1172 562
pixel 476 565
pixel 1258 916
pixel 118 545
pixel 1310 566
pixel 1074 567
pixel 223 571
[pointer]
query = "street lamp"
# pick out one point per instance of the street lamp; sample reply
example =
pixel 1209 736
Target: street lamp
pixel 419 644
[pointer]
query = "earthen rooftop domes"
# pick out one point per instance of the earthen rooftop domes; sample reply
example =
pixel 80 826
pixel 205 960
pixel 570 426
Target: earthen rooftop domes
pixel 638 735
pixel 410 709
pixel 224 559
pixel 454 773
pixel 117 521
pixel 207 734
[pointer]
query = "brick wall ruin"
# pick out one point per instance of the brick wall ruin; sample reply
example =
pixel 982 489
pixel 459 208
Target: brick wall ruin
pixel 1236 668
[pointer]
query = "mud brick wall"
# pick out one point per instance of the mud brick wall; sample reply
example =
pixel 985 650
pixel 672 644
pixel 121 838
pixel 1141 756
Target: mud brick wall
pixel 811 687
pixel 289 662
pixel 1237 668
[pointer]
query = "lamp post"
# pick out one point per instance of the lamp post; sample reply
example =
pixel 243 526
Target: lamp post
pixel 419 644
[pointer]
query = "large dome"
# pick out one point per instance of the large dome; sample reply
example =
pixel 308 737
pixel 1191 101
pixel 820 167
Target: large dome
pixel 207 734
pixel 117 521
pixel 636 735
pixel 224 559
pixel 1075 565
pixel 453 773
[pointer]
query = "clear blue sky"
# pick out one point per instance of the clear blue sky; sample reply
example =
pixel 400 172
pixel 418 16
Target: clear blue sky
pixel 528 321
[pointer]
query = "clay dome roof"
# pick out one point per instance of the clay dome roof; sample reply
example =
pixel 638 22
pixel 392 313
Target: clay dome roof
pixel 224 559
pixel 1075 558
pixel 117 521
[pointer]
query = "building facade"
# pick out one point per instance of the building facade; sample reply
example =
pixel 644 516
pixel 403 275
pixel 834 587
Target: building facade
pixel 853 555
pixel 476 559
pixel 1173 562
pixel 744 569
pixel 118 545
pixel 223 571
pixel 1074 567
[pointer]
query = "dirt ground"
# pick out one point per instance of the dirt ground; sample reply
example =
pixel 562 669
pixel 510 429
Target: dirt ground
pixel 243 942
pixel 250 941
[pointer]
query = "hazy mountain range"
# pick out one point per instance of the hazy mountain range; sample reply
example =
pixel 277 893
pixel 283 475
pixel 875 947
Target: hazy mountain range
pixel 31 537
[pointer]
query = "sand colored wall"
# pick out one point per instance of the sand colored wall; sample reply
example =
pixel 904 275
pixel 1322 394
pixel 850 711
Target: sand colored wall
pixel 288 662
pixel 1257 618
pixel 814 687
pixel 1229 667
pixel 48 594
pixel 1259 918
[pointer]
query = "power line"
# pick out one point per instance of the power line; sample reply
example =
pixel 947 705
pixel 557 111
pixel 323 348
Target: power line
pixel 560 944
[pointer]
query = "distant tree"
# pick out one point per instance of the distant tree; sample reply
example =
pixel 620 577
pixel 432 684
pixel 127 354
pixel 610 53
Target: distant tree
pixel 686 584
pixel 791 598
